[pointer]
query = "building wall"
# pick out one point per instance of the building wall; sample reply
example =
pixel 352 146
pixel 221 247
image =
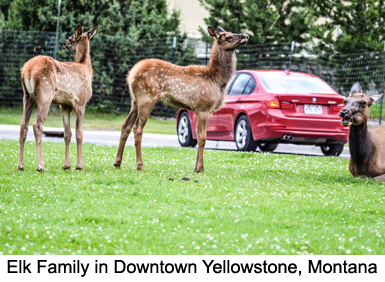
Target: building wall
pixel 192 14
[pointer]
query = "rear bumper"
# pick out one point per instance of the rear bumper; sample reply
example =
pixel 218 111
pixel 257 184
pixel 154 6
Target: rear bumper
pixel 303 137
pixel 312 131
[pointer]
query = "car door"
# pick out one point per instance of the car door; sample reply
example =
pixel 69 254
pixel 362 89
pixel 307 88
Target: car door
pixel 211 129
pixel 242 85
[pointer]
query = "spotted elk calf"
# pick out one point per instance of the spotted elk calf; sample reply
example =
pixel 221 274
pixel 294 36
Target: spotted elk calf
pixel 198 88
pixel 68 84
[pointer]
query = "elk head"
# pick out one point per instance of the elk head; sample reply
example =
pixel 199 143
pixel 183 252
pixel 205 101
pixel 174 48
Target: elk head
pixel 229 41
pixel 356 110
pixel 79 37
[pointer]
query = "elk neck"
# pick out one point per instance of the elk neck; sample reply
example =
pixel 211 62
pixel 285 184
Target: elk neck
pixel 83 53
pixel 222 64
pixel 360 145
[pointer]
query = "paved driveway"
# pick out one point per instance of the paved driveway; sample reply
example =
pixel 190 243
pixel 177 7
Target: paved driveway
pixel 150 140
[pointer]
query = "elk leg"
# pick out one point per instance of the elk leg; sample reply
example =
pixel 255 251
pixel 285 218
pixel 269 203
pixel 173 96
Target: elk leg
pixel 143 114
pixel 79 112
pixel 42 112
pixel 126 129
pixel 66 112
pixel 380 177
pixel 29 104
pixel 203 120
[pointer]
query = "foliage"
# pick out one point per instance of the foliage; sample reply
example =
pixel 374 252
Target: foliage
pixel 245 203
pixel 129 31
pixel 265 21
pixel 138 19
pixel 361 25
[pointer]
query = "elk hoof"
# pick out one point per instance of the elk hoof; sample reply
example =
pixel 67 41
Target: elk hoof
pixel 40 169
pixel 66 167
pixel 79 168
pixel 185 179
pixel 116 165
pixel 380 178
pixel 141 168
pixel 21 168
pixel 199 170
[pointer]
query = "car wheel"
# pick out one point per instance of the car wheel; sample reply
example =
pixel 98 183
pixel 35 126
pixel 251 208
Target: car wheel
pixel 184 132
pixel 268 147
pixel 243 136
pixel 332 150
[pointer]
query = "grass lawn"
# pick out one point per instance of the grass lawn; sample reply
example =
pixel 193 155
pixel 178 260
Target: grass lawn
pixel 375 110
pixel 245 203
pixel 92 121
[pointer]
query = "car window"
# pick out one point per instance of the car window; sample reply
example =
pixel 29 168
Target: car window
pixel 295 84
pixel 250 86
pixel 230 84
pixel 240 84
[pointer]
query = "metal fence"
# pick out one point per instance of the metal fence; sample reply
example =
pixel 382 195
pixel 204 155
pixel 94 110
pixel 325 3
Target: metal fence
pixel 113 56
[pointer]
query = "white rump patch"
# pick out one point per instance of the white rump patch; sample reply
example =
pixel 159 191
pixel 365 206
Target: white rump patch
pixel 29 84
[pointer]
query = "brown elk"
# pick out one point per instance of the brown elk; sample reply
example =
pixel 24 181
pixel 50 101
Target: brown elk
pixel 367 151
pixel 198 88
pixel 68 84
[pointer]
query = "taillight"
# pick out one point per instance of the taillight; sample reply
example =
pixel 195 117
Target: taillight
pixel 274 104
pixel 338 107
pixel 287 105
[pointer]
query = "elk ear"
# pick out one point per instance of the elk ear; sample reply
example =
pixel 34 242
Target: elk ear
pixel 78 32
pixel 356 88
pixel 92 32
pixel 212 32
pixel 219 29
pixel 375 98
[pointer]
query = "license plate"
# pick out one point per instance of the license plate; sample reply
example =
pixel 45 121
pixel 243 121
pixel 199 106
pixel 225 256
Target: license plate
pixel 313 109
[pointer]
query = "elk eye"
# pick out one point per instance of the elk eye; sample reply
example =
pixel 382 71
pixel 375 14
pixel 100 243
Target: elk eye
pixel 364 104
pixel 229 38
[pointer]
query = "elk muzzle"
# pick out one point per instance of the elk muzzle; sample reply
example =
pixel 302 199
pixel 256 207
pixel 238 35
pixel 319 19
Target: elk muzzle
pixel 244 38
pixel 347 120
pixel 66 44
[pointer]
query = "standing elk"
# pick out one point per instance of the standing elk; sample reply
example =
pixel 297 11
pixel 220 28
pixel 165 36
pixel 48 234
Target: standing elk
pixel 45 81
pixel 367 151
pixel 198 88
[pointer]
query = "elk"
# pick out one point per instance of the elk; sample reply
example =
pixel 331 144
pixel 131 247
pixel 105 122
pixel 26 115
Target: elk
pixel 68 84
pixel 198 88
pixel 367 153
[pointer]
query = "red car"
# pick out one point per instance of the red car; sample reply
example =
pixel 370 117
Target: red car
pixel 265 107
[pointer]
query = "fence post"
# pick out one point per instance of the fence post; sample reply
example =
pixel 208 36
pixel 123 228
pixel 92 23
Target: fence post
pixel 383 80
pixel 57 28
pixel 173 50
pixel 207 50
pixel 172 61
pixel 291 53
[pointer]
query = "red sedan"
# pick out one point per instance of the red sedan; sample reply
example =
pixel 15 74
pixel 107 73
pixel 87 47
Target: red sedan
pixel 264 108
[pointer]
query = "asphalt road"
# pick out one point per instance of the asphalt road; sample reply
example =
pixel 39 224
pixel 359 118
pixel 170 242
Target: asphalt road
pixel 152 140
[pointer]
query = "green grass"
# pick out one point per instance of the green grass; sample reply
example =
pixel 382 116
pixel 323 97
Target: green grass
pixel 92 121
pixel 375 110
pixel 245 203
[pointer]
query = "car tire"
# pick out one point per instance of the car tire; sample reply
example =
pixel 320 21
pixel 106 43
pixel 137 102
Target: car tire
pixel 268 147
pixel 243 135
pixel 184 131
pixel 332 149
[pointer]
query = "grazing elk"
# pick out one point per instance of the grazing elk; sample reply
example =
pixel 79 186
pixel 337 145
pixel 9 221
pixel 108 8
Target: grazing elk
pixel 198 88
pixel 367 150
pixel 68 84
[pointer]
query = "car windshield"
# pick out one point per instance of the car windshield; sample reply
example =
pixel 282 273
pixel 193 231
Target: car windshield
pixel 294 84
